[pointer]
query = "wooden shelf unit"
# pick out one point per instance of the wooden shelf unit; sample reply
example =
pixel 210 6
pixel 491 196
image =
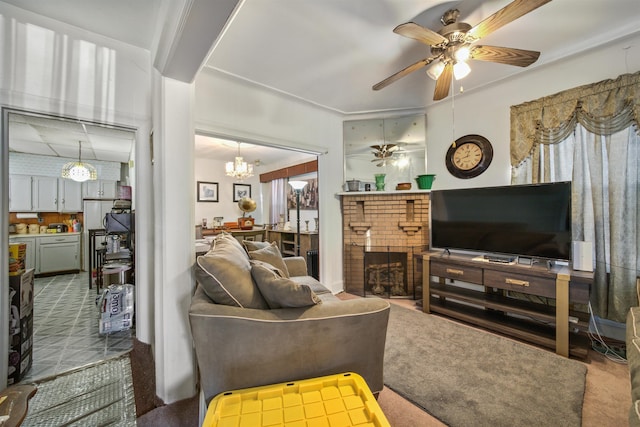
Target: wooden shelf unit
pixel 287 241
pixel 492 308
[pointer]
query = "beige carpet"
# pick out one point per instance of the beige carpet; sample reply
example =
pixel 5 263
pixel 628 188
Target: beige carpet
pixel 607 397
pixel 464 377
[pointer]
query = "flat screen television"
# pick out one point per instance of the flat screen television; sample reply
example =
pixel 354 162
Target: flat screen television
pixel 516 220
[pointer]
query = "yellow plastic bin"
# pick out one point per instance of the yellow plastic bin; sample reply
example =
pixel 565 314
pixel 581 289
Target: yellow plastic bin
pixel 342 399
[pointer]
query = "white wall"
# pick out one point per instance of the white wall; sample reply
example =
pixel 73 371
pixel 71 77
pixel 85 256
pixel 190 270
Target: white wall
pixel 486 111
pixel 174 236
pixel 231 108
pixel 213 170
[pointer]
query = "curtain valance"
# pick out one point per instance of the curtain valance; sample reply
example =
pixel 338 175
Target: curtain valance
pixel 603 108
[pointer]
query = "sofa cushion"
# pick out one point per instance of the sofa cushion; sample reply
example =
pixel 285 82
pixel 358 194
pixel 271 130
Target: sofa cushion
pixel 225 275
pixel 312 283
pixel 279 291
pixel 270 254
pixel 253 245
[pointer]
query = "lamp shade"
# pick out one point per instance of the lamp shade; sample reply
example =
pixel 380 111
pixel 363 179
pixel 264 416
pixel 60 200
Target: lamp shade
pixel 435 70
pixel 79 171
pixel 297 185
pixel 461 70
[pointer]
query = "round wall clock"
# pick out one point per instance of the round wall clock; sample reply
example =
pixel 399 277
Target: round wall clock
pixel 469 156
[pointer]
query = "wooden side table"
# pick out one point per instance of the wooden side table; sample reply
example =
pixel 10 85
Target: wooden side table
pixel 14 402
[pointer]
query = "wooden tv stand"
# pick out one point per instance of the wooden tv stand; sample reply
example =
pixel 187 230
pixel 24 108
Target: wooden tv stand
pixel 493 309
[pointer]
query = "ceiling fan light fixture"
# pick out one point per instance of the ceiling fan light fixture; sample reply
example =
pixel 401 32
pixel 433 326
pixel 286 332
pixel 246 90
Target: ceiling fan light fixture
pixel 463 53
pixel 435 70
pixel 461 69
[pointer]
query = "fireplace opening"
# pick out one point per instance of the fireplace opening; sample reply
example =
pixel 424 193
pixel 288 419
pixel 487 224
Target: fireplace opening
pixel 386 273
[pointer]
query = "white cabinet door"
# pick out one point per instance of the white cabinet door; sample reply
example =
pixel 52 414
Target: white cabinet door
pixel 59 253
pixel 20 193
pixel 69 195
pixel 109 189
pixel 30 257
pixel 45 194
pixel 99 189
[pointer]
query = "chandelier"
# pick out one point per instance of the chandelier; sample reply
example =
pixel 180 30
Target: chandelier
pixel 79 171
pixel 239 168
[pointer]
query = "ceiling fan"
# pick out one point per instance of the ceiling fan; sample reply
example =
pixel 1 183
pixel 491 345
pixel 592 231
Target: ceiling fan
pixel 383 153
pixel 454 44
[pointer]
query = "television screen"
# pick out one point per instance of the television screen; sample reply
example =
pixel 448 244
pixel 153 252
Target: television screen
pixel 527 220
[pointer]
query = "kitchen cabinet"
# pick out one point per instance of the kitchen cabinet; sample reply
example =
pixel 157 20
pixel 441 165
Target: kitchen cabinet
pixel 69 195
pixel 58 253
pixel 30 257
pixel 99 189
pixel 20 193
pixel 45 194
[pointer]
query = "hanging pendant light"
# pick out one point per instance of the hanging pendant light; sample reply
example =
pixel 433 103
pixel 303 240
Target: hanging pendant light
pixel 79 171
pixel 239 168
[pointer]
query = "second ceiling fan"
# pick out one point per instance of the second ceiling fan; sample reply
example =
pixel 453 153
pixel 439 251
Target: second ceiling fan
pixel 454 44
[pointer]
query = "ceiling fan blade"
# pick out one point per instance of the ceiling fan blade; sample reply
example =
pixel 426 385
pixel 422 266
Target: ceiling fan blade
pixel 505 55
pixel 510 12
pixel 443 83
pixel 408 70
pixel 420 33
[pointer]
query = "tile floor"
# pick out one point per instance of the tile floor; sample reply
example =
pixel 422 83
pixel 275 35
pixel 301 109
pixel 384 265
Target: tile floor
pixel 65 327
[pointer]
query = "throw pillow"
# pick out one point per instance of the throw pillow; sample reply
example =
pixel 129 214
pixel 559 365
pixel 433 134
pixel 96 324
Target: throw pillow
pixel 252 245
pixel 225 275
pixel 281 292
pixel 271 254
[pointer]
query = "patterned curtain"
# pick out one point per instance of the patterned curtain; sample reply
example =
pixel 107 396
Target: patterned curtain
pixel 603 108
pixel 590 135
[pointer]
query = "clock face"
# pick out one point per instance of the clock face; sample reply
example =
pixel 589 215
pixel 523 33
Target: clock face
pixel 469 156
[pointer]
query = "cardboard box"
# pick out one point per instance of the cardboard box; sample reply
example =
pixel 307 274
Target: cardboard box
pixel 17 257
pixel 20 326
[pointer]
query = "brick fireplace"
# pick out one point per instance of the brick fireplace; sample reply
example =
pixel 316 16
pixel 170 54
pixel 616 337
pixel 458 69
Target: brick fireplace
pixel 383 234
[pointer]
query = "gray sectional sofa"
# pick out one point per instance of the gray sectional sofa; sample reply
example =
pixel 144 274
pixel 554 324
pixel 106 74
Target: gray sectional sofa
pixel 257 319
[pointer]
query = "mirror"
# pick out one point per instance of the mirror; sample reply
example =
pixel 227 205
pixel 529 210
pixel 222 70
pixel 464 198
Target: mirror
pixel 392 146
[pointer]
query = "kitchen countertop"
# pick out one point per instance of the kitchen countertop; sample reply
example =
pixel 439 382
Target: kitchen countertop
pixel 70 233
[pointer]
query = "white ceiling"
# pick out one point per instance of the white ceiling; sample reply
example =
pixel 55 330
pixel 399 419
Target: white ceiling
pixel 330 52
pixel 56 137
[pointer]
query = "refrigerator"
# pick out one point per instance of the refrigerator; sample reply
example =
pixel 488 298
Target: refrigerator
pixel 94 212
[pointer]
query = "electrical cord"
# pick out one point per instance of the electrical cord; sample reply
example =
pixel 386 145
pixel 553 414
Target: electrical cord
pixel 598 343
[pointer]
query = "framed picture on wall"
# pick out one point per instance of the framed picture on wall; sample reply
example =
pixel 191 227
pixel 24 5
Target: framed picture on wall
pixel 308 198
pixel 207 191
pixel 240 191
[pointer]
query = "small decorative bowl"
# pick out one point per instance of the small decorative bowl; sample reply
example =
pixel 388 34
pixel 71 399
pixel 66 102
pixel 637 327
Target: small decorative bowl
pixel 403 186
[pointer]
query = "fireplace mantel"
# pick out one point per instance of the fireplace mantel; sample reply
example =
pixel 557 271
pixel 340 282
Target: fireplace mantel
pixel 379 193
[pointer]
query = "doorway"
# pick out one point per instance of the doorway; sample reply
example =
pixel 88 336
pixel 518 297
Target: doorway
pixel 270 164
pixel 64 320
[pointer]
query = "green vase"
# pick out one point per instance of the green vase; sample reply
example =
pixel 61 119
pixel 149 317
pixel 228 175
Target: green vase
pixel 380 181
